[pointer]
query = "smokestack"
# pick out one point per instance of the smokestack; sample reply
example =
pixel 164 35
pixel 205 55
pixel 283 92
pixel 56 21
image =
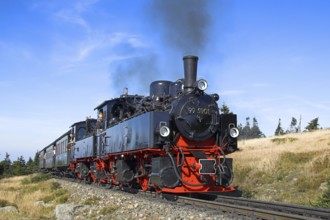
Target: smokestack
pixel 190 72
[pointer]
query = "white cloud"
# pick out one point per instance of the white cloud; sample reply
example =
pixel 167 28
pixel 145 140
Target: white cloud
pixel 97 49
pixel 74 14
pixel 324 105
pixel 71 17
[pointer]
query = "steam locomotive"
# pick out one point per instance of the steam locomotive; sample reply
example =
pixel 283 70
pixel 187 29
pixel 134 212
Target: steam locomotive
pixel 175 140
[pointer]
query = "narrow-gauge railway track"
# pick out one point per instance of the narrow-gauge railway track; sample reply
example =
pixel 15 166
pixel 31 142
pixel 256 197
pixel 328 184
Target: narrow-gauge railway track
pixel 298 210
pixel 257 209
pixel 260 209
pixel 250 208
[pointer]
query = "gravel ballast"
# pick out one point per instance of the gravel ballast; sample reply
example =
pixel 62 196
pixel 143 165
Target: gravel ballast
pixel 90 202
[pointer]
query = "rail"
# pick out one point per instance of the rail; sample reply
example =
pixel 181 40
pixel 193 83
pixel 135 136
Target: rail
pixel 260 209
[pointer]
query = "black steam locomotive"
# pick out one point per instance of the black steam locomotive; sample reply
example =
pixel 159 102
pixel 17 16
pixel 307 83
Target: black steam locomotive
pixel 174 140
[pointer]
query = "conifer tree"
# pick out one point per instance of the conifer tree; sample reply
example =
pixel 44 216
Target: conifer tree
pixel 36 159
pixel 279 129
pixel 6 164
pixel 30 166
pixel 19 167
pixel 293 128
pixel 2 169
pixel 313 125
pixel 225 109
pixel 255 130
pixel 246 129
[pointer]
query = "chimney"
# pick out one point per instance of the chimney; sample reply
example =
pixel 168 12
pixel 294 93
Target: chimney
pixel 190 72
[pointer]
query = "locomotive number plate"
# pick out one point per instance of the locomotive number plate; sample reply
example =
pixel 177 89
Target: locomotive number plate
pixel 207 166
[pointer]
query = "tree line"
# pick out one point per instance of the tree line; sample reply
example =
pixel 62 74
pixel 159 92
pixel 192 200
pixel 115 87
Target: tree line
pixel 18 167
pixel 249 131
pixel 295 128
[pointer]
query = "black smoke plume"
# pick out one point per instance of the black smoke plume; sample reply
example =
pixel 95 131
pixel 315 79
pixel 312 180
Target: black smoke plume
pixel 136 73
pixel 183 24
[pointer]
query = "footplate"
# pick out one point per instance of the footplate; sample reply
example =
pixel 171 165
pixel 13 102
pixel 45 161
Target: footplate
pixel 207 166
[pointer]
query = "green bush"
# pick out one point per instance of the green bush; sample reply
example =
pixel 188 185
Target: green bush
pixel 108 210
pixel 249 194
pixel 4 203
pixel 283 140
pixel 55 186
pixel 324 200
pixel 91 201
pixel 62 199
pixel 279 140
pixel 36 179
pixel 59 196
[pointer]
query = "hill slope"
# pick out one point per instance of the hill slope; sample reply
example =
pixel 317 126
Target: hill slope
pixel 293 168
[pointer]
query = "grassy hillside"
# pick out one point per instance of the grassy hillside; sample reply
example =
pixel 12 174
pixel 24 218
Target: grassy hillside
pixel 29 194
pixel 293 168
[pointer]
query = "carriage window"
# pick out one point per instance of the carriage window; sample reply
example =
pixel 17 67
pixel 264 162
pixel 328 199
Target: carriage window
pixel 81 133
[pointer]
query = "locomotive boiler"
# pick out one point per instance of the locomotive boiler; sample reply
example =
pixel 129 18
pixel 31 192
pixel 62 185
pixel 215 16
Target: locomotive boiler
pixel 175 140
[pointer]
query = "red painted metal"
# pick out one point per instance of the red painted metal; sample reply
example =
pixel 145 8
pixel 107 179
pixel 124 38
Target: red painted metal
pixel 189 170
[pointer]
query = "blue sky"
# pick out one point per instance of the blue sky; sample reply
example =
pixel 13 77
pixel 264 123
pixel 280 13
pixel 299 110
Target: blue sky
pixel 59 59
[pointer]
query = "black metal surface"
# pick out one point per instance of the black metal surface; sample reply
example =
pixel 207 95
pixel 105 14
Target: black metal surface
pixel 136 133
pixel 198 154
pixel 225 121
pixel 176 87
pixel 226 173
pixel 190 72
pixel 208 166
pixel 196 116
pixel 163 173
pixel 84 148
pixel 125 171
pixel 159 88
pixel 119 109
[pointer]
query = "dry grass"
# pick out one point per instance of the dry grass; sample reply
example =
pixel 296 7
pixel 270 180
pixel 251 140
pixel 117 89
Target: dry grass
pixel 23 193
pixel 289 168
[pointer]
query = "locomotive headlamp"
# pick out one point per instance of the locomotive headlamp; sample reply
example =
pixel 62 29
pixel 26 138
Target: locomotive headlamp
pixel 202 84
pixel 164 131
pixel 233 131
